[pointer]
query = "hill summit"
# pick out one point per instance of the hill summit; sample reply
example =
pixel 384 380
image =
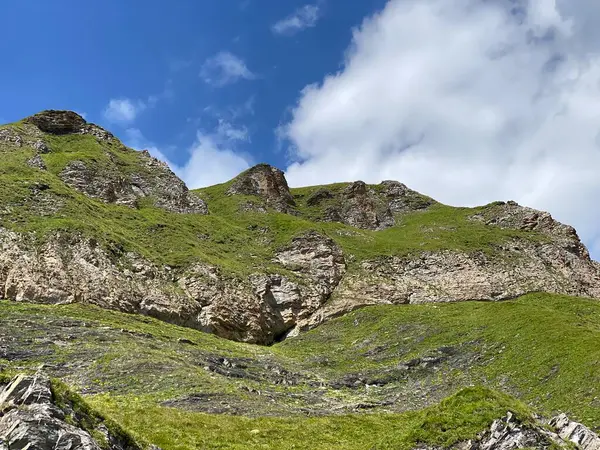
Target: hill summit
pixel 83 218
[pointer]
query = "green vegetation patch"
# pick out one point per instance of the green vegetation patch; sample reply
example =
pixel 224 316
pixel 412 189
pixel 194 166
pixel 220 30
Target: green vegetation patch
pixel 142 373
pixel 455 419
pixel 542 348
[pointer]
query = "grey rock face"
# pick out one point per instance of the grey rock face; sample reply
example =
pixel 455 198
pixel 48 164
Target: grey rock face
pixel 68 268
pixel 510 434
pixel 266 182
pixel 157 181
pixel 576 433
pixel 320 262
pixel 313 286
pixel 64 122
pixel 169 191
pixel 315 257
pixel 360 207
pixel 9 136
pixel 402 199
pixel 514 216
pixel 41 147
pixel 450 276
pixel 29 419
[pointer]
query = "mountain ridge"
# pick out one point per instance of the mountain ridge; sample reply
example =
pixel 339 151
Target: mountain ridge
pixel 86 219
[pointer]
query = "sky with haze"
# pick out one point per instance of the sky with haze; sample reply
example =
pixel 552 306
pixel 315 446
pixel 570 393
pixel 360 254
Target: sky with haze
pixel 468 101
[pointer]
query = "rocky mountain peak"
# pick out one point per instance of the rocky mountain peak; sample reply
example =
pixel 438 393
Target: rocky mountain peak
pixel 58 122
pixel 266 182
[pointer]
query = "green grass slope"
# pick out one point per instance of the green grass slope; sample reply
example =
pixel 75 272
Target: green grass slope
pixel 239 242
pixel 457 418
pixel 542 348
pixel 361 381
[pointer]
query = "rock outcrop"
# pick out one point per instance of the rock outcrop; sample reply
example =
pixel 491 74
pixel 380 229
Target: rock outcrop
pixel 514 216
pixel 368 207
pixel 291 288
pixel 360 207
pixel 31 418
pixel 70 268
pixel 58 122
pixel 156 181
pixel 520 267
pixel 66 122
pixel 268 183
pixel 575 433
pixel 107 177
pixel 558 264
pixel 509 433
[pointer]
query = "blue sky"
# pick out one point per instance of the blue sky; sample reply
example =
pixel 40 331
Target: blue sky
pixel 79 55
pixel 468 101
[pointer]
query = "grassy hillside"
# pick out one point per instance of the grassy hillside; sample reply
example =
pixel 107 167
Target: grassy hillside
pixel 374 369
pixel 380 377
pixel 226 237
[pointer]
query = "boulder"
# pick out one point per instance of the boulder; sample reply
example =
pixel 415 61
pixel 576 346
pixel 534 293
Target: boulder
pixel 37 162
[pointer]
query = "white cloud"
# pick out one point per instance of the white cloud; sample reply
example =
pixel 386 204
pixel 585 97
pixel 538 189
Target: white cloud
pixel 212 157
pixel 227 131
pixel 467 101
pixel 225 68
pixel 305 17
pixel 123 110
pixel 212 161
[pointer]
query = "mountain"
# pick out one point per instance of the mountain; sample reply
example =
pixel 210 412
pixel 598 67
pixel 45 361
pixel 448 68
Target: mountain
pixel 389 319
pixel 86 219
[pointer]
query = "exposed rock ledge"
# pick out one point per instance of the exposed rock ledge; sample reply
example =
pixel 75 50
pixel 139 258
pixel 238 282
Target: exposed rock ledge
pixel 157 182
pixel 558 264
pixel 31 418
pixel 260 309
pixel 509 433
pixel 105 181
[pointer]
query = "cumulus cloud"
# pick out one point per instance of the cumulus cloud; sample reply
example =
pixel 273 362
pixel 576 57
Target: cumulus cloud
pixel 225 68
pixel 212 158
pixel 467 101
pixel 123 110
pixel 305 17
